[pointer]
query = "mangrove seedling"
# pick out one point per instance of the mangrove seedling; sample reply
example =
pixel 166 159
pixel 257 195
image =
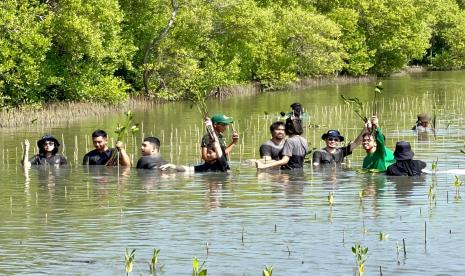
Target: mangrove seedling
pixel 153 265
pixel 360 252
pixel 434 165
pixel 129 258
pixel 122 131
pixel 198 270
pixel 383 236
pixel 267 271
pixel 330 198
pixel 457 184
pixel 357 107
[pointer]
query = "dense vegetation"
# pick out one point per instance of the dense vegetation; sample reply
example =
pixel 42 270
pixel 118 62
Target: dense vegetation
pixel 105 50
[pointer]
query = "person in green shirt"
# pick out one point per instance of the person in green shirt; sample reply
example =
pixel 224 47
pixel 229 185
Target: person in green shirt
pixel 379 157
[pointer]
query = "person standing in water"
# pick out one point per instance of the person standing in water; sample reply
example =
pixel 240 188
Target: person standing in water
pixel 48 153
pixel 405 165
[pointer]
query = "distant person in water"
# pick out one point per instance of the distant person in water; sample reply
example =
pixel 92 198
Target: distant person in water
pixel 151 157
pixel 295 147
pixel 378 157
pixel 423 123
pixel 271 149
pixel 405 165
pixel 332 153
pixel 48 153
pixel 102 153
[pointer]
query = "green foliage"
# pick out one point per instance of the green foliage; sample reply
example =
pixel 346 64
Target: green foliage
pixel 360 252
pixel 198 270
pixel 129 257
pixel 23 47
pixel 267 271
pixel 100 50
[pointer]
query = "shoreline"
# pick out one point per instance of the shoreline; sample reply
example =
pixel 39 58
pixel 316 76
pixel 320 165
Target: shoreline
pixel 51 114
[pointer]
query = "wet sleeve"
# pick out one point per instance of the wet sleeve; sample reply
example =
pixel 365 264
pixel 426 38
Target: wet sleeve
pixel 422 165
pixel 140 164
pixel 265 150
pixel 316 157
pixel 35 160
pixel 63 160
pixel 346 150
pixel 85 160
pixel 205 142
pixel 287 149
pixel 381 147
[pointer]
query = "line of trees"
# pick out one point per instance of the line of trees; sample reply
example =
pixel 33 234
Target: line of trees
pixel 106 50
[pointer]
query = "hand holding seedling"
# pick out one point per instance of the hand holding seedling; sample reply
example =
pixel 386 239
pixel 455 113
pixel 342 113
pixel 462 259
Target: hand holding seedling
pixel 119 145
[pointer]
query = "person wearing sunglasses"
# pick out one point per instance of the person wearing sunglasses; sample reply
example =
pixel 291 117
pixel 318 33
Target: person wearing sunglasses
pixel 332 153
pixel 48 153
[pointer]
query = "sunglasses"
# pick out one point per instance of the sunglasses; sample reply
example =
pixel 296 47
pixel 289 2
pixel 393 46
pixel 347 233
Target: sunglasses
pixel 333 139
pixel 49 143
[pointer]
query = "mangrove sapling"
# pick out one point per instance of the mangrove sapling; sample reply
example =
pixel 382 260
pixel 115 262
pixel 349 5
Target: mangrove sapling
pixel 457 184
pixel 267 271
pixel 383 236
pixel 360 252
pixel 330 198
pixel 198 270
pixel 434 165
pixel 129 258
pixel 122 131
pixel 153 265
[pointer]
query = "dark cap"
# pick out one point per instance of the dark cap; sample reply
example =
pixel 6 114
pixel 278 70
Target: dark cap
pixel 403 151
pixel 48 137
pixel 333 133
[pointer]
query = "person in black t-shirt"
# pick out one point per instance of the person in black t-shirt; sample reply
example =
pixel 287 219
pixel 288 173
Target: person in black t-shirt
pixel 48 153
pixel 102 153
pixel 405 165
pixel 151 157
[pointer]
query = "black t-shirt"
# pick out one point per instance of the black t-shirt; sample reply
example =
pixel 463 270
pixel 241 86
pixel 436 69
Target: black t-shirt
pixel 322 156
pixel 97 158
pixel 55 160
pixel 406 168
pixel 150 162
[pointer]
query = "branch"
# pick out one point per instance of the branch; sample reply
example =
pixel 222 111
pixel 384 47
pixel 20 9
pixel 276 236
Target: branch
pixel 154 42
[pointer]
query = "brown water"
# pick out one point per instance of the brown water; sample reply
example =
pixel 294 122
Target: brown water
pixel 79 221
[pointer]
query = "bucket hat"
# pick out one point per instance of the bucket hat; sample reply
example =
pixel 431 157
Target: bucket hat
pixel 403 151
pixel 333 133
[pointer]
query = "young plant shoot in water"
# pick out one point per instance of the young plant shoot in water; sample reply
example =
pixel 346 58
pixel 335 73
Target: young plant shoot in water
pixel 267 271
pixel 129 258
pixel 198 270
pixel 357 105
pixel 360 252
pixel 153 265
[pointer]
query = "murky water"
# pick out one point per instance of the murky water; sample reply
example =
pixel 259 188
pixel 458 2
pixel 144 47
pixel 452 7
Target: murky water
pixel 79 221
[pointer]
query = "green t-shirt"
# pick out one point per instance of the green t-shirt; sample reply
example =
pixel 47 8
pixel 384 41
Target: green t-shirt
pixel 381 158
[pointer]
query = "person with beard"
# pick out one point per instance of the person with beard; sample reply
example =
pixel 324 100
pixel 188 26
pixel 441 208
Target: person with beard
pixel 405 165
pixel 271 149
pixel 48 153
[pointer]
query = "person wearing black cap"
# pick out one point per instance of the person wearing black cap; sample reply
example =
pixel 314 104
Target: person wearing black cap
pixel 332 153
pixel 48 153
pixel 405 165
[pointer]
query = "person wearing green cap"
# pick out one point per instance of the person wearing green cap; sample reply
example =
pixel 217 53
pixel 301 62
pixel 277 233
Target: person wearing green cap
pixel 216 157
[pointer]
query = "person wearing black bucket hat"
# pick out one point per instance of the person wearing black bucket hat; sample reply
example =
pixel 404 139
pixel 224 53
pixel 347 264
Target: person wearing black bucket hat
pixel 405 165
pixel 332 153
pixel 48 153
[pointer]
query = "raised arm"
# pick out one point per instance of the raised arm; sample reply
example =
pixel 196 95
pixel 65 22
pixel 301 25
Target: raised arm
pixel 25 162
